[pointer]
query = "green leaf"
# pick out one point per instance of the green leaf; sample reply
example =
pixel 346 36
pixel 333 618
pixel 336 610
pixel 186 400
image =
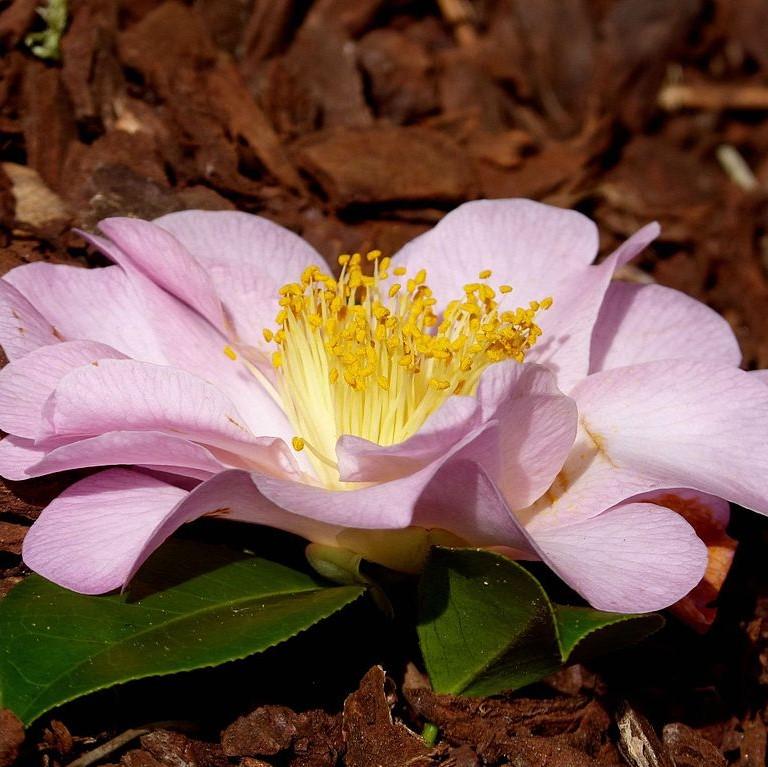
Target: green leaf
pixel 585 633
pixel 487 625
pixel 191 606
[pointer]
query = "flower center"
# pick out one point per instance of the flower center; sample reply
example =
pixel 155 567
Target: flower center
pixel 368 356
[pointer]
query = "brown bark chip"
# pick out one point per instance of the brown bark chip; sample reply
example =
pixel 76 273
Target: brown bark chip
pixel 266 731
pixel 387 164
pixel 47 121
pixel 11 737
pixel 373 738
pixel 689 749
pixel 11 537
pixel 317 83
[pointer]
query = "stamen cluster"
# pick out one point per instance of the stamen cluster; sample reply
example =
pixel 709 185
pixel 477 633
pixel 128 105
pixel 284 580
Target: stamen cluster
pixel 369 356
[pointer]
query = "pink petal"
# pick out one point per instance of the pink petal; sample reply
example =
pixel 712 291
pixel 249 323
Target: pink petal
pixel 90 537
pixel 27 383
pixel 89 304
pixel 608 559
pixel 122 395
pixel 173 455
pixel 658 425
pixel 464 500
pixel 248 259
pixel 363 461
pixel 568 326
pixel 164 260
pixel 95 536
pixel 384 506
pixel 637 557
pixel 17 455
pixel 760 375
pixel 531 246
pixel 534 429
pixel 643 323
pixel 189 342
pixel 22 328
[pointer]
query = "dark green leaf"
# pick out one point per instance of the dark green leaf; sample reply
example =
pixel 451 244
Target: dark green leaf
pixel 585 633
pixel 191 606
pixel 485 623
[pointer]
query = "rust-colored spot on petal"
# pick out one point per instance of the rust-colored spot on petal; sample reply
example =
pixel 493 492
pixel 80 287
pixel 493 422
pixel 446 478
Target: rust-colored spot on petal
pixel 235 423
pixel 222 512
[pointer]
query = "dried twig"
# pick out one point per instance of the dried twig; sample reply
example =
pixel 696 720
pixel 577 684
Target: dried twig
pixel 713 97
pixel 736 167
pixel 105 749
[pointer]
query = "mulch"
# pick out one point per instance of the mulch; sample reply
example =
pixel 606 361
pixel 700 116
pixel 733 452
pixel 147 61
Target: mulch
pixel 358 124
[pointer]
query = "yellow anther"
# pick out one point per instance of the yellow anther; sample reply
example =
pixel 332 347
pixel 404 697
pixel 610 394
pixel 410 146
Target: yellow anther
pixel 546 302
pixel 230 352
pixel 298 444
pixel 351 360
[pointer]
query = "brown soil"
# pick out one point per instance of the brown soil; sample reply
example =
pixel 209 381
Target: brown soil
pixel 358 123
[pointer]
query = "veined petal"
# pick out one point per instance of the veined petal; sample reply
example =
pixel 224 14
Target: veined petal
pixel 174 455
pixel 248 258
pixel 26 384
pixel 17 455
pixel 90 538
pixel 569 325
pixel 188 341
pixel 531 246
pixel 122 395
pixel 89 304
pixel 534 429
pixel 363 461
pixel 163 259
pixel 383 506
pixel 607 559
pixel 22 327
pixel 636 557
pixel 95 536
pixel 662 425
pixel 643 323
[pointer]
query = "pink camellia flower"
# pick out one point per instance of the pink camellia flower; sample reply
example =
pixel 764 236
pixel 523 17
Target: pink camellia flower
pixel 441 398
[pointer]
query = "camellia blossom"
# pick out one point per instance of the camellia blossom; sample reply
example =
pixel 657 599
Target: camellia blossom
pixel 488 386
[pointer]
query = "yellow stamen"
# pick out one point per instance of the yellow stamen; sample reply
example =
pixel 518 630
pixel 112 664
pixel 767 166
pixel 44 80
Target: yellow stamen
pixel 230 352
pixel 359 356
